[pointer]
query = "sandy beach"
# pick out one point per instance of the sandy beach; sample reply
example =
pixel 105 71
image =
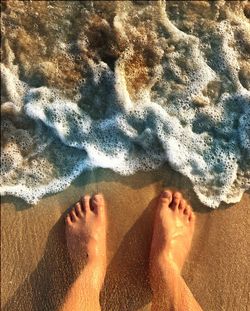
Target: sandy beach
pixel 36 269
pixel 128 86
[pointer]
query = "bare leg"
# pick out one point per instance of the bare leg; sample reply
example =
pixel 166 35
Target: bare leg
pixel 86 241
pixel 171 241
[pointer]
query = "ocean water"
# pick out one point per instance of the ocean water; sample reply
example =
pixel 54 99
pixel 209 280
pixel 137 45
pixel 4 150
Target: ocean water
pixel 125 85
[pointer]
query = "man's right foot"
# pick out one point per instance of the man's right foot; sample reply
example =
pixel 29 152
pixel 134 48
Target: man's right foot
pixel 86 236
pixel 172 234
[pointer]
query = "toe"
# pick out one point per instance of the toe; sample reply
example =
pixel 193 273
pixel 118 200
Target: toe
pixel 78 210
pixel 191 216
pixel 186 210
pixel 183 206
pixel 166 197
pixel 86 203
pixel 68 220
pixel 176 200
pixel 97 203
pixel 72 214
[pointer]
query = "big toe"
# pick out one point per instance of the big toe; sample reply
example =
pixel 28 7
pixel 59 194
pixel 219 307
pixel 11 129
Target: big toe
pixel 97 203
pixel 165 198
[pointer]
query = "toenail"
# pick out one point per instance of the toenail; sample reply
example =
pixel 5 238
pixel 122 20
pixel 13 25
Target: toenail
pixel 166 194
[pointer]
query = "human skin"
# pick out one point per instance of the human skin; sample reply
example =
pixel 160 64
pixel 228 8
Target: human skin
pixel 171 241
pixel 86 227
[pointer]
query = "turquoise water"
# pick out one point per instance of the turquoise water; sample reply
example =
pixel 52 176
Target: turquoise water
pixel 127 86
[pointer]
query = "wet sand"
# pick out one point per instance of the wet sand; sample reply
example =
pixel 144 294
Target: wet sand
pixel 35 267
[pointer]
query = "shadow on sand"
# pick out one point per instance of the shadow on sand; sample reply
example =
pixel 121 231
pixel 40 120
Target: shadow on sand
pixel 47 284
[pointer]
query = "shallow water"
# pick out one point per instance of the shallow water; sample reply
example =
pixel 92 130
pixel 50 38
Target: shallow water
pixel 126 85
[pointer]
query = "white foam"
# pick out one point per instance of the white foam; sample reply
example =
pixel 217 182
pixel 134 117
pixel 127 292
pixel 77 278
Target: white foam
pixel 206 139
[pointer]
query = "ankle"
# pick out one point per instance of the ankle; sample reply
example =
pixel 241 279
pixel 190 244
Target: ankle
pixel 98 261
pixel 164 264
pixel 163 271
pixel 91 279
pixel 96 253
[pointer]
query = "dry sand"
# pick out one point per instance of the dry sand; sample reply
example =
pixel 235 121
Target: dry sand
pixel 35 267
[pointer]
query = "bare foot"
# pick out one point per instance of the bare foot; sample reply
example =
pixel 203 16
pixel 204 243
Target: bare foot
pixel 172 234
pixel 86 236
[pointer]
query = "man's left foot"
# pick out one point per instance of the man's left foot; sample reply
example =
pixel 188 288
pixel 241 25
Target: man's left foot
pixel 173 232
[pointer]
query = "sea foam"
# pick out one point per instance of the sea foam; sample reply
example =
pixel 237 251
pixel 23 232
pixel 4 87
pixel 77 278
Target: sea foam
pixel 187 107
